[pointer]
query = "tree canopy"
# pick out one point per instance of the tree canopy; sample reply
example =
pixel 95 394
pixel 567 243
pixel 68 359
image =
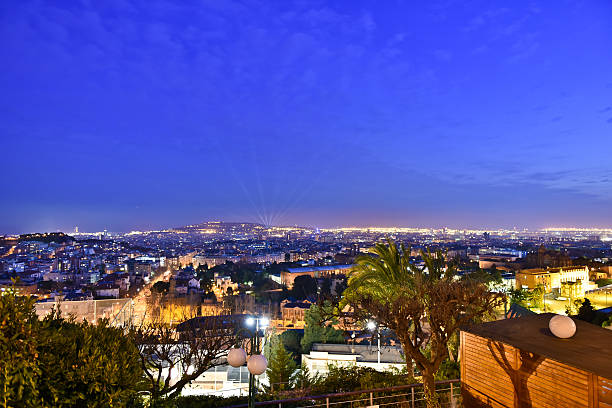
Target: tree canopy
pixel 424 306
pixel 304 287
pixel 173 357
pixel 161 287
pixel 281 366
pixel 318 328
pixel 586 311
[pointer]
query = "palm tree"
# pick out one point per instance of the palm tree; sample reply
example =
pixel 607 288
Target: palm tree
pixel 424 306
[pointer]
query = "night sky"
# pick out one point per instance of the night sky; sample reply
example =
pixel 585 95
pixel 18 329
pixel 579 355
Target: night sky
pixel 145 114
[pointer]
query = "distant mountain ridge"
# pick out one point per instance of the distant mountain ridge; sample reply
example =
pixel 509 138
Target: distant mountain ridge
pixel 221 226
pixel 47 237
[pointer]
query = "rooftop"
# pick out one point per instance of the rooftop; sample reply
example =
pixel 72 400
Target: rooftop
pixel 292 305
pixel 590 349
pixel 365 353
pixel 537 271
pixel 318 268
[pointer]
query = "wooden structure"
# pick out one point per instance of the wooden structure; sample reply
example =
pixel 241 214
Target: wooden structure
pixel 519 363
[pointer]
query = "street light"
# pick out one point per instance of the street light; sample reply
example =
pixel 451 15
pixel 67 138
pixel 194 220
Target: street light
pixel 256 363
pixel 373 326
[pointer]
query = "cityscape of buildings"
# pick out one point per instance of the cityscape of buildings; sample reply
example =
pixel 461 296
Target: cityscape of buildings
pixel 220 268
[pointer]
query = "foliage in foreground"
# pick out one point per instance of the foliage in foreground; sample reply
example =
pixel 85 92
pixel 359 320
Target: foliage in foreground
pixel 57 362
pixel 205 401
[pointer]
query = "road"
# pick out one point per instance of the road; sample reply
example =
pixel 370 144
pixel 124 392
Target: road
pixel 10 252
pixel 599 300
pixel 140 300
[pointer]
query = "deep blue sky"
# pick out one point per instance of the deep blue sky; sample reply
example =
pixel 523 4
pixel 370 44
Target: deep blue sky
pixel 139 114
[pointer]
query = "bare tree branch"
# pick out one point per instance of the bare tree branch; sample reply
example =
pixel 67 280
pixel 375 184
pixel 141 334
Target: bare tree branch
pixel 174 356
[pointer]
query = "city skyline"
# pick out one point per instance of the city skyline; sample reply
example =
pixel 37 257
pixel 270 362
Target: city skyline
pixel 132 115
pixel 77 231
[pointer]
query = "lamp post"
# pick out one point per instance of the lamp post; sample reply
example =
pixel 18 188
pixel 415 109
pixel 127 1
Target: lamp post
pixel 256 363
pixel 373 326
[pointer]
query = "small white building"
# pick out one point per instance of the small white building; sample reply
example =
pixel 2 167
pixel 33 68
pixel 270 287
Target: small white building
pixel 321 356
pixel 108 290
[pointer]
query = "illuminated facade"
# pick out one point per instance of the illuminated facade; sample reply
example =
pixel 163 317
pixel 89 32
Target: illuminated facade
pixel 551 279
pixel 293 313
pixel 289 275
pixel 572 290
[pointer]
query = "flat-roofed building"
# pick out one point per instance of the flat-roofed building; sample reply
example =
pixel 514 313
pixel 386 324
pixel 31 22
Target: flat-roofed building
pixel 321 356
pixel 289 275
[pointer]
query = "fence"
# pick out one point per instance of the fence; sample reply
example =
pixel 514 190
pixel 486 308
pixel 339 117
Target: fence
pixel 118 311
pixel 404 396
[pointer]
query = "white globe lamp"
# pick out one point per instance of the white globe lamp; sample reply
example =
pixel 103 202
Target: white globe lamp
pixel 236 357
pixel 257 364
pixel 562 326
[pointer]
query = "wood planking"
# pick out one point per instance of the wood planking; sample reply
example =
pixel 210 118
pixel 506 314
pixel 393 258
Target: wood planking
pixel 487 399
pixel 550 383
pixel 604 392
pixel 482 373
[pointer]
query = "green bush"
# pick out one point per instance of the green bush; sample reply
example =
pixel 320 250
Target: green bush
pixel 345 379
pixel 603 282
pixel 449 370
pixel 61 363
pixel 19 369
pixel 207 401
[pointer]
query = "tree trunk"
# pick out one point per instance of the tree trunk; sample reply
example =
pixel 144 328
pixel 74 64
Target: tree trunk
pixel 429 388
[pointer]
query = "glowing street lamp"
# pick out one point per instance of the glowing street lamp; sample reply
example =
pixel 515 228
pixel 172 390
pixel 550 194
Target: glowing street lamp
pixel 256 363
pixel 237 357
pixel 371 325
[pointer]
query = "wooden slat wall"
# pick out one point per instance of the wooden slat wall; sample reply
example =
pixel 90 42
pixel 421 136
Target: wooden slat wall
pixel 541 382
pixel 486 380
pixel 604 392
